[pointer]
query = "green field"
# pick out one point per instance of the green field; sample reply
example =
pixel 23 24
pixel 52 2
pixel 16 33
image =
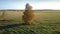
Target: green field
pixel 46 22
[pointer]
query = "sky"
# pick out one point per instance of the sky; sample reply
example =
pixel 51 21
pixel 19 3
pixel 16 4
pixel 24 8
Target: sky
pixel 36 4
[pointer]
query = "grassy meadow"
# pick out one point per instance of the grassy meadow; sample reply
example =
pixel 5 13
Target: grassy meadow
pixel 45 22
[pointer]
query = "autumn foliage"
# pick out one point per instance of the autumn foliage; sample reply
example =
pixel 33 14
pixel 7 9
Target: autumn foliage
pixel 28 16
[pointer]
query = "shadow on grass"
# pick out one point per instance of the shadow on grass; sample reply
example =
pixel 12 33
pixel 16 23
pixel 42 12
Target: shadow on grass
pixel 11 26
pixel 55 32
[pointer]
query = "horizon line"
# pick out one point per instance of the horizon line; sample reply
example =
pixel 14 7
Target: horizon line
pixel 32 9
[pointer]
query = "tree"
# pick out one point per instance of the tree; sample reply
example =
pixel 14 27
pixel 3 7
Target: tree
pixel 3 16
pixel 28 16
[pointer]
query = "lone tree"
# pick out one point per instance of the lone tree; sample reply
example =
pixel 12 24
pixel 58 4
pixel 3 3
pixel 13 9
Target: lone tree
pixel 28 16
pixel 3 16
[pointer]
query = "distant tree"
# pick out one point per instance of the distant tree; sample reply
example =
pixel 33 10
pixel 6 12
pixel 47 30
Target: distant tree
pixel 28 16
pixel 3 16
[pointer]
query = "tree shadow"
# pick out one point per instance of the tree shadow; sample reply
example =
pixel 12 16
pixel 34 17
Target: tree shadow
pixel 56 32
pixel 11 26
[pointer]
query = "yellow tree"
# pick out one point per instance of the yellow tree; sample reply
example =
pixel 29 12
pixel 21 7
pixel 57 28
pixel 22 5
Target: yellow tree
pixel 28 16
pixel 3 15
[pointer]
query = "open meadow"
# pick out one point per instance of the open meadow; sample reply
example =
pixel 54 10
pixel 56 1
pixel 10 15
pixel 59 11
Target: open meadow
pixel 45 22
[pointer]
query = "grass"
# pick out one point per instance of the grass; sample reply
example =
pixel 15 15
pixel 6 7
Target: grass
pixel 46 22
pixel 30 29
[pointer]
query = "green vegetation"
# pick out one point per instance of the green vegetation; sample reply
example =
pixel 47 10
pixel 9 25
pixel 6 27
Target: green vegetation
pixel 46 22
